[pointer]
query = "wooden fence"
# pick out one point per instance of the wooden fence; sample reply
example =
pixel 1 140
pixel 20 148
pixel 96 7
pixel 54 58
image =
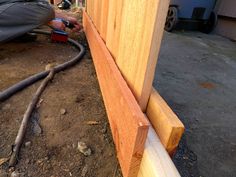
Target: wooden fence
pixel 131 31
pixel 124 37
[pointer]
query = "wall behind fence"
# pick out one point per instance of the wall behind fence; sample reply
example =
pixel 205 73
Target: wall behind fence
pixel 132 31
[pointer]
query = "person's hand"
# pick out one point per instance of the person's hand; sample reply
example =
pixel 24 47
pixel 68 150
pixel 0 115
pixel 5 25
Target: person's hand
pixel 74 21
pixel 57 24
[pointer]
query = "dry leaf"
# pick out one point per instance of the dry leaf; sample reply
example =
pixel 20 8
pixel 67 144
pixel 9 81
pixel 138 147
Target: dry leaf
pixel 92 122
pixel 3 160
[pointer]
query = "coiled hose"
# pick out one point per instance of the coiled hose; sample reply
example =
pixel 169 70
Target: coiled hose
pixel 7 93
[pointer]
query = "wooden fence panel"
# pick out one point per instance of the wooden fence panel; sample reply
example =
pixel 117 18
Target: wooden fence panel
pixel 141 32
pixel 113 26
pixel 88 7
pixel 104 19
pixel 97 14
pixel 90 4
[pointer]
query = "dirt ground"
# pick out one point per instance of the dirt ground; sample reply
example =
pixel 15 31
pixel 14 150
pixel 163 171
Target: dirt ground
pixel 196 75
pixel 70 103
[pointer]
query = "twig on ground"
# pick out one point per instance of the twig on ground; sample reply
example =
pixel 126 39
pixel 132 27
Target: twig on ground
pixel 115 171
pixel 23 126
pixel 3 160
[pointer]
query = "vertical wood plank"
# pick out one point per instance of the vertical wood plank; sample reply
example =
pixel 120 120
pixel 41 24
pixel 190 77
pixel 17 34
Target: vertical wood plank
pixel 104 19
pixel 99 13
pixel 95 17
pixel 91 4
pixel 113 26
pixel 88 7
pixel 140 38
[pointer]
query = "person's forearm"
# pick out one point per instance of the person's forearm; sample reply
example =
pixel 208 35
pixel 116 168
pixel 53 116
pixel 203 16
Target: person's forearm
pixel 60 14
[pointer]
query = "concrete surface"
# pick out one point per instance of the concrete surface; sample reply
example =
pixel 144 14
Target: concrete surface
pixel 196 75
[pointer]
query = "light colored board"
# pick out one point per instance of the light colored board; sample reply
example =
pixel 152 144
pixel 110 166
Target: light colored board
pixel 88 7
pixel 91 9
pixel 128 124
pixel 165 122
pixel 141 33
pixel 97 14
pixel 156 162
pixel 104 18
pixel 113 26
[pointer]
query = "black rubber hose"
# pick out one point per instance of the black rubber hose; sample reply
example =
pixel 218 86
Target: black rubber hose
pixel 36 77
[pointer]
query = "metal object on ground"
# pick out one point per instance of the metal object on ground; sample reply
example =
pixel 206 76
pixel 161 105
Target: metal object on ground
pixel 64 4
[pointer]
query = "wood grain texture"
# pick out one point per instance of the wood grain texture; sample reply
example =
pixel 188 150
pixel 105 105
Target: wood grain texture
pixel 97 14
pixel 113 26
pixel 104 19
pixel 88 7
pixel 128 124
pixel 156 162
pixel 141 32
pixel 91 10
pixel 165 122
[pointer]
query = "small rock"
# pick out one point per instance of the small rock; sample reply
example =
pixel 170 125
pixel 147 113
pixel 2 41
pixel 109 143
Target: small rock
pixel 11 169
pixel 84 171
pixel 84 149
pixel 63 111
pixel 15 174
pixel 27 144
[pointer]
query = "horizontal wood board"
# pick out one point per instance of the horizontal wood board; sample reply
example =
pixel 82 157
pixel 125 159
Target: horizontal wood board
pixel 165 122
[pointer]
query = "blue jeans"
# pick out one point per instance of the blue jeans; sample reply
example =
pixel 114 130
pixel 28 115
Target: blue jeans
pixel 19 18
